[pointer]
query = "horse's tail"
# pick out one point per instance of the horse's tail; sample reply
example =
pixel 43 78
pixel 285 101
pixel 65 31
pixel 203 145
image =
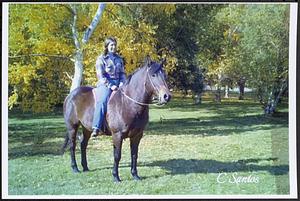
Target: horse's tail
pixel 65 144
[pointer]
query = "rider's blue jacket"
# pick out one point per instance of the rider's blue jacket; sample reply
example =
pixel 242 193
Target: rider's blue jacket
pixel 110 70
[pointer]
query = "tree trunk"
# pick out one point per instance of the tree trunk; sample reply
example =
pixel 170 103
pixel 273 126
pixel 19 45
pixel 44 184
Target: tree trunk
pixel 76 80
pixel 226 91
pixel 241 84
pixel 270 107
pixel 274 99
pixel 198 98
pixel 218 95
pixel 78 58
pixel 94 23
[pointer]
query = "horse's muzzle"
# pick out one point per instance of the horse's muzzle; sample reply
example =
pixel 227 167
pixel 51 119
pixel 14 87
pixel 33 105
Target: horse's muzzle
pixel 167 97
pixel 164 96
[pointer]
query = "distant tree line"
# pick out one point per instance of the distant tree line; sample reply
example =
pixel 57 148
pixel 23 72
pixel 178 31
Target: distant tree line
pixel 236 45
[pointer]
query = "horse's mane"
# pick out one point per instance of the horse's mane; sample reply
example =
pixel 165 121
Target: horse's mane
pixel 131 75
pixel 152 70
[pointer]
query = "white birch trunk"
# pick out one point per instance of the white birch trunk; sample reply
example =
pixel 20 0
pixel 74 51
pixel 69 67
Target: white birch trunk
pixel 94 23
pixel 76 80
pixel 226 91
pixel 273 101
pixel 78 58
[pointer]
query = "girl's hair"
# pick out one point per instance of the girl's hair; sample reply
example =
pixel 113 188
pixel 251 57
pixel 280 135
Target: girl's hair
pixel 106 43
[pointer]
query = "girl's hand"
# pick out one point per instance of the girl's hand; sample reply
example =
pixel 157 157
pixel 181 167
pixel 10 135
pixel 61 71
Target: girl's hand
pixel 114 88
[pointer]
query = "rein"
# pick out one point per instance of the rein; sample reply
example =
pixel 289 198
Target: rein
pixel 140 103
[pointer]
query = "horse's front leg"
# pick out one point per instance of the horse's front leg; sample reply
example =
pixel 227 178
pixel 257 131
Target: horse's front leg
pixel 117 143
pixel 134 146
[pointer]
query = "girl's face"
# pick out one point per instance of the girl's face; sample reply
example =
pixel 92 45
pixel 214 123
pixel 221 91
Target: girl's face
pixel 112 47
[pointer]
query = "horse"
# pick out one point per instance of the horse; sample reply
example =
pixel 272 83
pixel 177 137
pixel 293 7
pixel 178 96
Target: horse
pixel 126 117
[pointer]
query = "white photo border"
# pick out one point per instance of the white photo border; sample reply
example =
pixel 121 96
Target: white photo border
pixel 292 120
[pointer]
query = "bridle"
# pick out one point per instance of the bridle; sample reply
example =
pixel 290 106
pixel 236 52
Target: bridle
pixel 157 90
pixel 140 103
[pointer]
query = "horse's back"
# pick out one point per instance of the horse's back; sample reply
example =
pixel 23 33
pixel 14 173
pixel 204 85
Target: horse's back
pixel 79 94
pixel 79 105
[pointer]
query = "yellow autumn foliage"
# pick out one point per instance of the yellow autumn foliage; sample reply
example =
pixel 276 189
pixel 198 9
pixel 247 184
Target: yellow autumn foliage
pixel 41 49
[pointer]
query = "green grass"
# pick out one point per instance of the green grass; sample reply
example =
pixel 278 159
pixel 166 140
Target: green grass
pixel 184 149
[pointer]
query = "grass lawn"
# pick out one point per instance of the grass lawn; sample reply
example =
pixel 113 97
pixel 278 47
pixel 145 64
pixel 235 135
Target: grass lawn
pixel 207 149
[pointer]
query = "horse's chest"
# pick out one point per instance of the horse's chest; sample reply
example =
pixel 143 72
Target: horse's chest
pixel 135 119
pixel 140 119
pixel 125 121
pixel 136 125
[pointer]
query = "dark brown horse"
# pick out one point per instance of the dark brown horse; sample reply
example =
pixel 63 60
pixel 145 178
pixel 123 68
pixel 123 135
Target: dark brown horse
pixel 127 113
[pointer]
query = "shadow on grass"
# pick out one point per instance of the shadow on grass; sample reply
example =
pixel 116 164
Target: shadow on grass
pixel 212 126
pixel 39 132
pixel 190 166
pixel 18 114
pixel 184 166
pixel 227 107
pixel 35 149
pixel 32 137
pixel 35 139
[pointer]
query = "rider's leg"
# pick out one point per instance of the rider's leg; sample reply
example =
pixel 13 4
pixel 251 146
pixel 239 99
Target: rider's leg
pixel 102 93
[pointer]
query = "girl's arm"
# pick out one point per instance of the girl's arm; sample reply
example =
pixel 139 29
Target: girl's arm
pixel 100 71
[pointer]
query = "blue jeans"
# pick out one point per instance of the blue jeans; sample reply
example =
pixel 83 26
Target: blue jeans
pixel 103 92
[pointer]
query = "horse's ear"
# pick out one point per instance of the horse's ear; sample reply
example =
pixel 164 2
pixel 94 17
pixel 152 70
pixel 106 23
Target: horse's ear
pixel 148 60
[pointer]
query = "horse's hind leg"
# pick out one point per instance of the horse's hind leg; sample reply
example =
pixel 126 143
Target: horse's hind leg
pixel 83 146
pixel 72 136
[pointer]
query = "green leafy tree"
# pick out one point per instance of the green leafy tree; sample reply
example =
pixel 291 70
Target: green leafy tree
pixel 268 44
pixel 262 51
pixel 253 47
pixel 186 36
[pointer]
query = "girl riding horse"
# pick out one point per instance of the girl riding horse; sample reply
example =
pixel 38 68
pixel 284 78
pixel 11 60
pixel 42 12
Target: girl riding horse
pixel 111 75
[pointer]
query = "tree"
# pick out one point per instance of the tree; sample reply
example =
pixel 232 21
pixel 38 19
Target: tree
pixel 78 56
pixel 43 52
pixel 40 52
pixel 254 47
pixel 264 31
pixel 220 43
pixel 186 33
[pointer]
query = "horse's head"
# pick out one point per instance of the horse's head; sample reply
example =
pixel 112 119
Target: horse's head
pixel 156 81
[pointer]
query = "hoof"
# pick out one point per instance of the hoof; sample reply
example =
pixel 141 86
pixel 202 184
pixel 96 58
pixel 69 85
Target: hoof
pixel 76 171
pixel 117 180
pixel 136 178
pixel 86 170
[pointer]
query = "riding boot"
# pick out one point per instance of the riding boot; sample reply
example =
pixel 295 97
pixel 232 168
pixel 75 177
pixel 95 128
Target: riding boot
pixel 95 132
